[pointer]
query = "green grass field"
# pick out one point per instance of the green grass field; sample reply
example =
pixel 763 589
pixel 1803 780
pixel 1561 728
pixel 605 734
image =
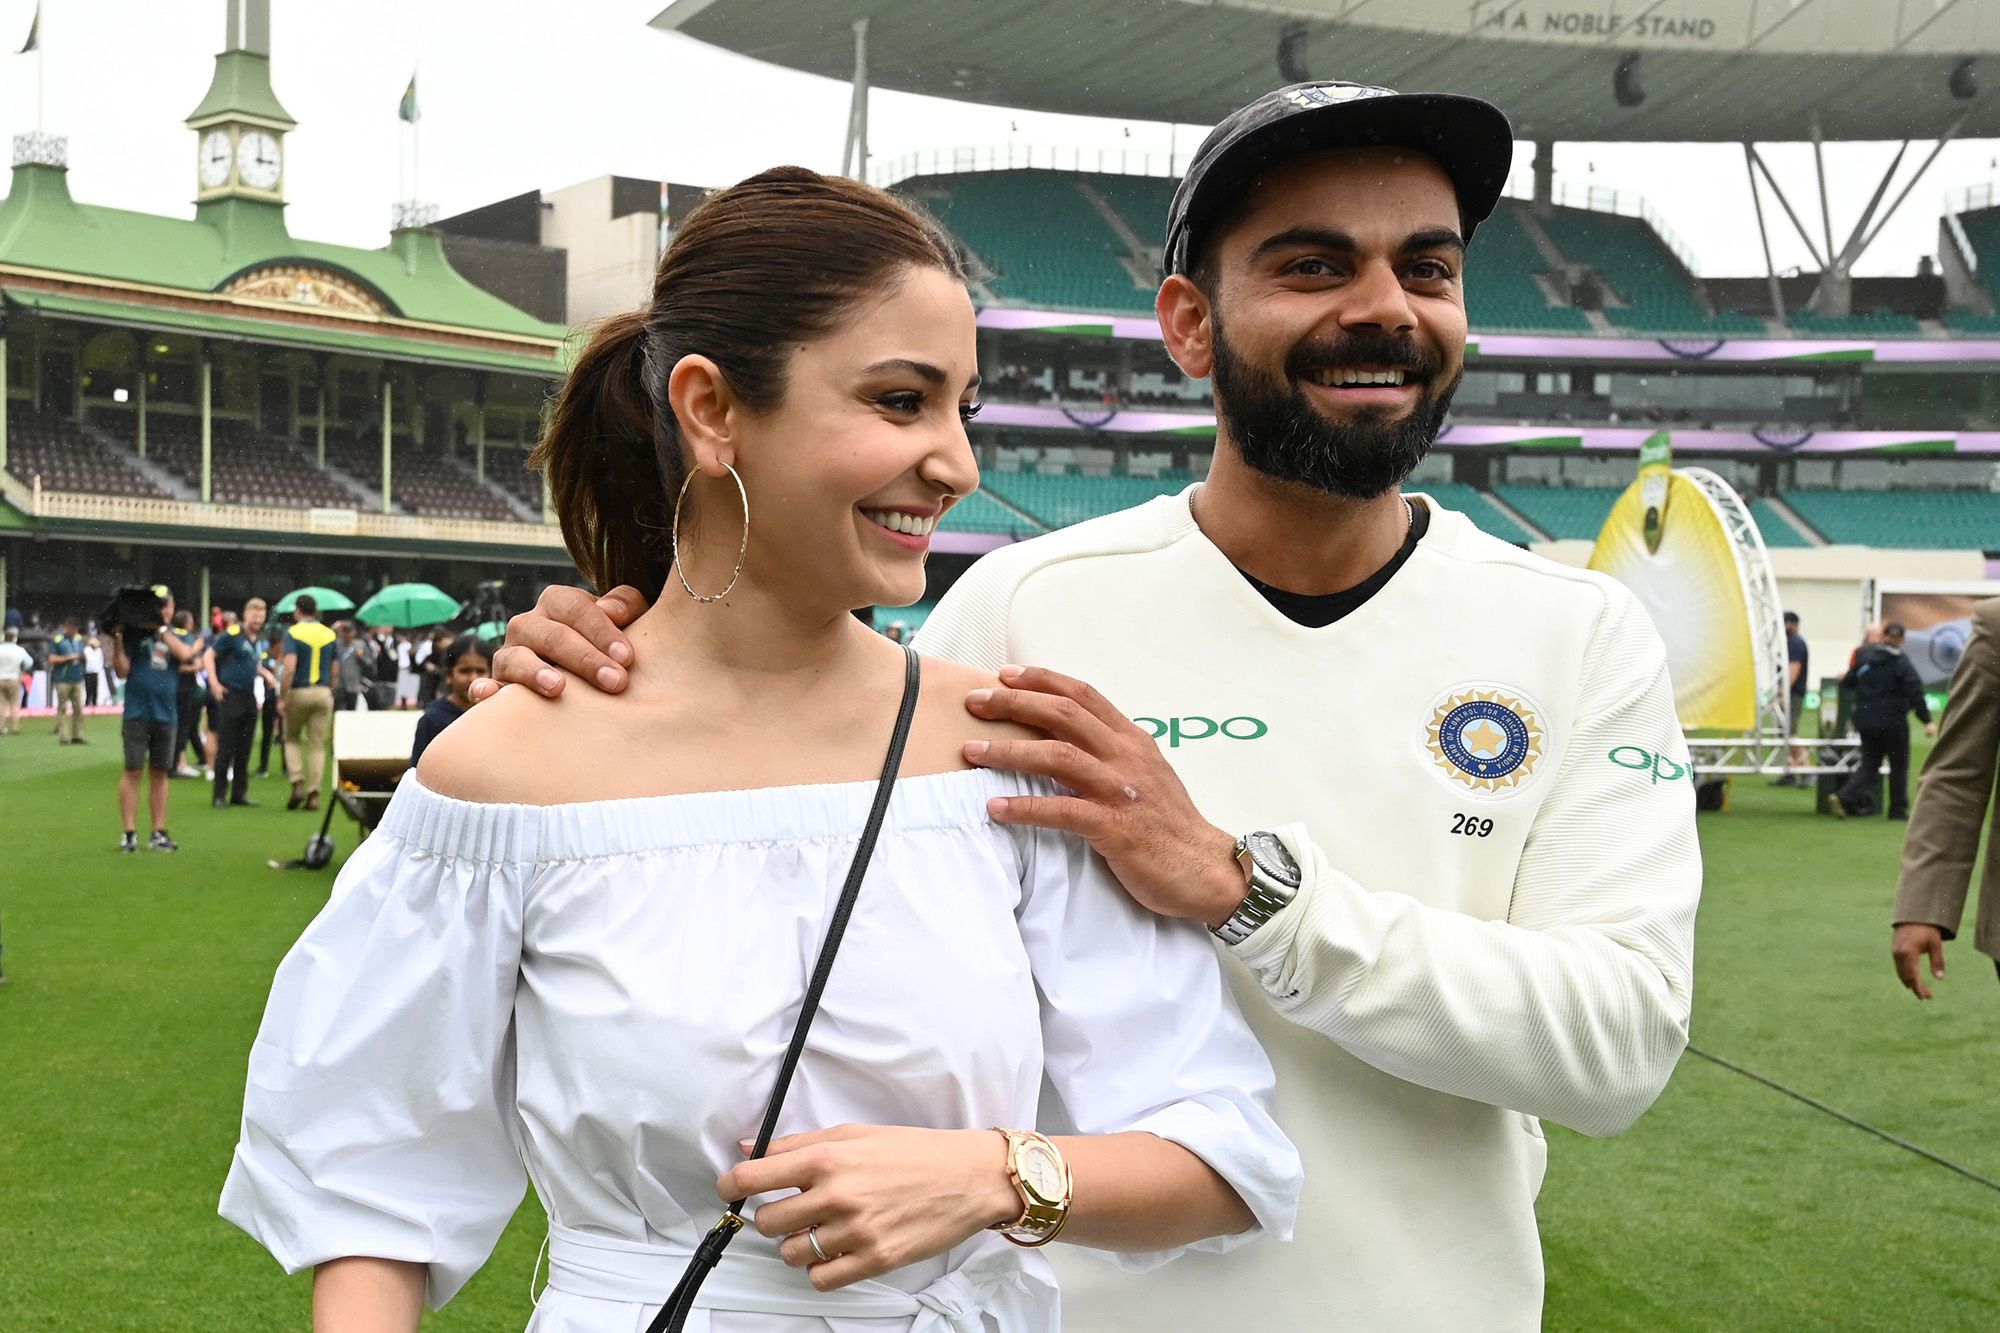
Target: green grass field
pixel 135 984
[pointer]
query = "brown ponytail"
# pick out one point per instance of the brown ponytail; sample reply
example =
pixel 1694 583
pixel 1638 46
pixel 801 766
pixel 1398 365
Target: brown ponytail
pixel 778 260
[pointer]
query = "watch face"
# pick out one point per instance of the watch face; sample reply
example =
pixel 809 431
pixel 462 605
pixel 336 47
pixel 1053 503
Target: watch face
pixel 257 160
pixel 1273 857
pixel 1041 1172
pixel 214 157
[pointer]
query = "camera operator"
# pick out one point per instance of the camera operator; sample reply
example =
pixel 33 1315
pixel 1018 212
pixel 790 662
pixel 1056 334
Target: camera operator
pixel 149 656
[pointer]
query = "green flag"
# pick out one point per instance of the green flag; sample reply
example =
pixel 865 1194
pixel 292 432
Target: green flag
pixel 408 109
pixel 34 42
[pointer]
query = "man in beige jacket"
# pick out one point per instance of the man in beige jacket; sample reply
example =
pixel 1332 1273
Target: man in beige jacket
pixel 1953 797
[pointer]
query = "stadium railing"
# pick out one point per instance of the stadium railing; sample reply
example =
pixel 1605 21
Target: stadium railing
pixel 40 503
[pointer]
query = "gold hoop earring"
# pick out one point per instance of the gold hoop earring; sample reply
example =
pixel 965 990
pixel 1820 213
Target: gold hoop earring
pixel 742 546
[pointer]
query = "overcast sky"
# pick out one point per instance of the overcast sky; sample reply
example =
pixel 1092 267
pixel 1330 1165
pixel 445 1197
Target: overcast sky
pixel 530 94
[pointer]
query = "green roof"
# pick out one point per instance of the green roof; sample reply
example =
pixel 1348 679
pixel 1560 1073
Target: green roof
pixel 242 86
pixel 42 227
pixel 272 332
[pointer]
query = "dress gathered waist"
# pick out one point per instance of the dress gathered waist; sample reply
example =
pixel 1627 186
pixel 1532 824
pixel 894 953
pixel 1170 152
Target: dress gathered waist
pixel 990 1281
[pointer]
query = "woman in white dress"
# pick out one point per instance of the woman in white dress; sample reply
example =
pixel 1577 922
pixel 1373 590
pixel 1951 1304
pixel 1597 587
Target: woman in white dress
pixel 580 938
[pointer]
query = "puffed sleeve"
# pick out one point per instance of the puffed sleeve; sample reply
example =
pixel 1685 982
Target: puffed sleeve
pixel 1141 1033
pixel 378 1118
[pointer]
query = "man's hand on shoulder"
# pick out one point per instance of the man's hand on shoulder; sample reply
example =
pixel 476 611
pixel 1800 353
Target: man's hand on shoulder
pixel 1129 805
pixel 571 630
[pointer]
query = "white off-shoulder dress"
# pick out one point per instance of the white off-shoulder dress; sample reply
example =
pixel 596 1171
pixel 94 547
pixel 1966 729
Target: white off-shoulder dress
pixel 602 992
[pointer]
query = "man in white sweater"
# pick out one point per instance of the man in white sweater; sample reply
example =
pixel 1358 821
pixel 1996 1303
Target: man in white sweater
pixel 1430 791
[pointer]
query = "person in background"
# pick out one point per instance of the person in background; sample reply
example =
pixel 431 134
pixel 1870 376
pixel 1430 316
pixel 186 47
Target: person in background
pixel 305 700
pixel 14 661
pixel 461 661
pixel 273 725
pixel 66 684
pixel 350 654
pixel 150 662
pixel 406 669
pixel 1886 687
pixel 431 667
pixel 188 697
pixel 1797 657
pixel 233 667
pixel 1954 799
pixel 381 669
pixel 93 670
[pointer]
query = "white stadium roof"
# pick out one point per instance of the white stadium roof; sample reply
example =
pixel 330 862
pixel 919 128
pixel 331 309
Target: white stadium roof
pixel 1710 70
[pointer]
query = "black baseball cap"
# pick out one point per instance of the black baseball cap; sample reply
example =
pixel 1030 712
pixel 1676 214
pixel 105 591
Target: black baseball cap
pixel 1469 138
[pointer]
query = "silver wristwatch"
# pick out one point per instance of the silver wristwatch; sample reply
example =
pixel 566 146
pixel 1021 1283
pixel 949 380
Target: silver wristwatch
pixel 1274 881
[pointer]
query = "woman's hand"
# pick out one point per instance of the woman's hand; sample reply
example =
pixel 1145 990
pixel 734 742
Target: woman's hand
pixel 881 1196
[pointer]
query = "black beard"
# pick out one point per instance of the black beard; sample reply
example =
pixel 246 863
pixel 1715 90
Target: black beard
pixel 1282 435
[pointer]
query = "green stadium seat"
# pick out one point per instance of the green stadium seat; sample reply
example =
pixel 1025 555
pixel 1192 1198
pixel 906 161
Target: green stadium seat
pixel 1982 230
pixel 1777 533
pixel 1871 324
pixel 1475 506
pixel 1142 201
pixel 1566 513
pixel 979 512
pixel 1062 500
pixel 1629 254
pixel 1915 520
pixel 1500 289
pixel 1045 242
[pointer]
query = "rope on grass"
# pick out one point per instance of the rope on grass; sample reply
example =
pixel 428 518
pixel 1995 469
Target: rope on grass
pixel 1845 1118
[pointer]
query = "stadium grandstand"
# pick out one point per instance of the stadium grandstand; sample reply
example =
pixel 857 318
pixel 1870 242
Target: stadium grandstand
pixel 176 385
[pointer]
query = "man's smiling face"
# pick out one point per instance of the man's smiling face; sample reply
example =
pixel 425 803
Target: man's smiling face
pixel 1337 314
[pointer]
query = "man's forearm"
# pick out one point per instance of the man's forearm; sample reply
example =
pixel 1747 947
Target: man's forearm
pixel 1581 1024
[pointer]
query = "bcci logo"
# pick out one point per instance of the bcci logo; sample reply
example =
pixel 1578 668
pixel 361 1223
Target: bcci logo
pixel 1331 94
pixel 1485 740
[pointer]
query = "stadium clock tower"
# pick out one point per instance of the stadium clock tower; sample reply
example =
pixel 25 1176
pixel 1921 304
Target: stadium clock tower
pixel 240 126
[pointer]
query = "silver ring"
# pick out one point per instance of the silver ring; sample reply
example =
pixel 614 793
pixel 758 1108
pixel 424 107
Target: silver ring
pixel 812 1239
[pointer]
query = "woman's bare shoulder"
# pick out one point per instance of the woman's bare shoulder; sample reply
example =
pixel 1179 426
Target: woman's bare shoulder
pixel 944 717
pixel 509 749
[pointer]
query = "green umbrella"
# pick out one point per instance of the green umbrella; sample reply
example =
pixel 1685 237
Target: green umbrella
pixel 408 606
pixel 492 629
pixel 328 600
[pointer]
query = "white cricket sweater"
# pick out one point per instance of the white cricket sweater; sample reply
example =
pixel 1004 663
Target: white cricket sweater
pixel 1481 772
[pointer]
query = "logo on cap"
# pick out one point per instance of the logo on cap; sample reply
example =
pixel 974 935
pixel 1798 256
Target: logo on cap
pixel 1331 94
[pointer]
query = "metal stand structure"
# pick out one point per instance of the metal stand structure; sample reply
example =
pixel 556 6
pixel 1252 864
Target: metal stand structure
pixel 1834 294
pixel 854 156
pixel 1768 748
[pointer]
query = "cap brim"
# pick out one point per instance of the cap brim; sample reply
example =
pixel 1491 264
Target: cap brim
pixel 1469 138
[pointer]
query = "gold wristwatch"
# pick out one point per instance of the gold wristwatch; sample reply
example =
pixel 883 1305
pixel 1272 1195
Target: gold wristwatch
pixel 1041 1177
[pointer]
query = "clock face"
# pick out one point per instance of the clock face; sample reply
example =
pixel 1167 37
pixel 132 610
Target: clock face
pixel 1038 1168
pixel 257 160
pixel 214 158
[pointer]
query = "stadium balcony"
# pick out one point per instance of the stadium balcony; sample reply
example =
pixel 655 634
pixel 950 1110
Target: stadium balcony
pixel 243 468
pixel 429 485
pixel 1644 272
pixel 1919 520
pixel 1142 201
pixel 1501 292
pixel 64 458
pixel 508 469
pixel 1566 513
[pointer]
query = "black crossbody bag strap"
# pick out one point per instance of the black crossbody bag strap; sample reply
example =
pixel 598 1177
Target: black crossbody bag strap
pixel 673 1315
